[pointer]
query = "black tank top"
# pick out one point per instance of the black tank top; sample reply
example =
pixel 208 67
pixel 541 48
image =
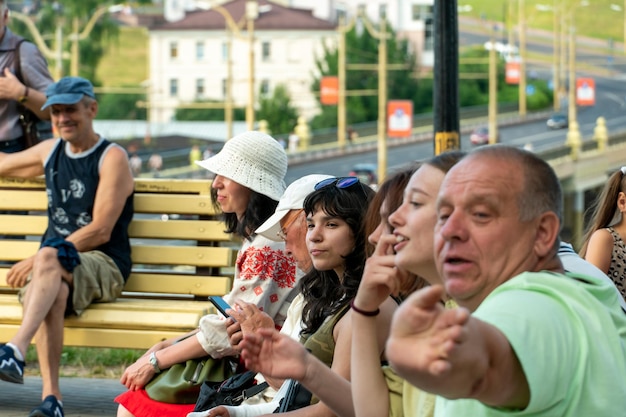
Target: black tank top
pixel 71 185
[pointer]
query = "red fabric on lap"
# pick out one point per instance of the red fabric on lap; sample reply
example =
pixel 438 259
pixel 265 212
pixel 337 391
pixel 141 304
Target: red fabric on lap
pixel 140 405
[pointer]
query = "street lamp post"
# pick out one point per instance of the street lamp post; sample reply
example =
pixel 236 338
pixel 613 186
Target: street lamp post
pixel 556 79
pixel 251 14
pixel 493 90
pixel 382 37
pixel 343 28
pixel 573 139
pixel 522 54
pixel 58 55
pixel 80 36
pixel 555 9
pixel 446 77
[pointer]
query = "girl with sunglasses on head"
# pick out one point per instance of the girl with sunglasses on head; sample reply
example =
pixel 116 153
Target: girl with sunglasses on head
pixel 248 183
pixel 336 241
pixel 405 245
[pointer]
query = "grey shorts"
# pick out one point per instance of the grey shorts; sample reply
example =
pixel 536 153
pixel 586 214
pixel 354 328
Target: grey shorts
pixel 96 280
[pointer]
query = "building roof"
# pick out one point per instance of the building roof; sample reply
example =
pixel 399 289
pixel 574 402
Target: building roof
pixel 272 16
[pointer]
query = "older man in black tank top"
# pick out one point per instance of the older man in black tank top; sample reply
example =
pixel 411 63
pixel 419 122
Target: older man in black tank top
pixel 90 191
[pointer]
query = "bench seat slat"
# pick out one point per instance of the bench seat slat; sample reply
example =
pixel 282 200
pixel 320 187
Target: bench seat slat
pixel 125 313
pixel 105 338
pixel 201 286
pixel 176 284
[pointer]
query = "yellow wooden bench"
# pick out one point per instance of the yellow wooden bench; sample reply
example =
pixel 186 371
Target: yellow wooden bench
pixel 180 254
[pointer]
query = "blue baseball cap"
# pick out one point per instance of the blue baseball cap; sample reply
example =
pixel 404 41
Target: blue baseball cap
pixel 68 90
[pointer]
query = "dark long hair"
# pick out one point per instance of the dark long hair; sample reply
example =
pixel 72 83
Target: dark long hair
pixel 323 291
pixel 260 208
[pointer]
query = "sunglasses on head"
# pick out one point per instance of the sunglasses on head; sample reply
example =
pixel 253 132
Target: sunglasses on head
pixel 339 182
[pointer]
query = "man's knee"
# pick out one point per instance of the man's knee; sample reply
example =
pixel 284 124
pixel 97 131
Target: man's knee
pixel 47 259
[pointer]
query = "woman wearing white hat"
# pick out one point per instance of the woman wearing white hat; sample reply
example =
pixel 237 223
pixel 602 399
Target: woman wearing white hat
pixel 249 181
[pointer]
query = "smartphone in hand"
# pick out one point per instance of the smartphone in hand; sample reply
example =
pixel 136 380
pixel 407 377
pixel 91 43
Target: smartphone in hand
pixel 220 305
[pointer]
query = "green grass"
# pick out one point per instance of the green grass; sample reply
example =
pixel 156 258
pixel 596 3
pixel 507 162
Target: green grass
pixel 596 20
pixel 125 62
pixel 88 362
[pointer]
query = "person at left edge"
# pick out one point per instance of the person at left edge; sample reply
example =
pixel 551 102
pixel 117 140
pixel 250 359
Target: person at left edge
pixel 29 91
pixel 85 252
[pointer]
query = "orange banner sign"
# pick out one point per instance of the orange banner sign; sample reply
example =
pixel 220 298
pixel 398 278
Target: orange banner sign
pixel 512 73
pixel 585 92
pixel 329 90
pixel 399 118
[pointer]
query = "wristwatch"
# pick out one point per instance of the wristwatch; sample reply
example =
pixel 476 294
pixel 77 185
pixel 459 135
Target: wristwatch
pixel 153 361
pixel 24 98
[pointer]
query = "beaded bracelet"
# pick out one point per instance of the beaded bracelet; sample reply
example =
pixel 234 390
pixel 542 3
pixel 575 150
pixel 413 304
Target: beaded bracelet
pixel 364 312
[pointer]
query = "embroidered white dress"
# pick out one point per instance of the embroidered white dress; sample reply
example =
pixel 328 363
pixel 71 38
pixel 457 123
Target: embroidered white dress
pixel 264 275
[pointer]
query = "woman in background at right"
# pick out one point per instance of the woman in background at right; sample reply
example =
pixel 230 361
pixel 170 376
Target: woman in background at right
pixel 603 243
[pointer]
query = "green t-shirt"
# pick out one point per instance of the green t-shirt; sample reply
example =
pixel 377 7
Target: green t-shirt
pixel 569 334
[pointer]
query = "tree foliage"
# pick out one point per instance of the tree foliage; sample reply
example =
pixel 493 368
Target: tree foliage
pixel 120 107
pixel 61 13
pixel 362 48
pixel 476 91
pixel 277 110
pixel 183 114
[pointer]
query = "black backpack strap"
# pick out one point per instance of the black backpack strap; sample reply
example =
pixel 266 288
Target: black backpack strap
pixel 254 390
pixel 17 63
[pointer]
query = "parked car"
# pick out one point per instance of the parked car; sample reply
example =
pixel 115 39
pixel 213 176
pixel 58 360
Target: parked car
pixel 480 136
pixel 366 173
pixel 557 121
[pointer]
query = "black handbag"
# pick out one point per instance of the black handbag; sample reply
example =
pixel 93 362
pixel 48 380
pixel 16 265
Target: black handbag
pixel 297 396
pixel 34 129
pixel 230 392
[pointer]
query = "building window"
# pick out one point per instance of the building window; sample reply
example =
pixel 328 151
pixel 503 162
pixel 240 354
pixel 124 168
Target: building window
pixel 200 87
pixel 422 12
pixel 265 87
pixel 266 49
pixel 429 37
pixel 224 88
pixel 173 87
pixel 225 52
pixel 200 51
pixel 382 10
pixel 173 49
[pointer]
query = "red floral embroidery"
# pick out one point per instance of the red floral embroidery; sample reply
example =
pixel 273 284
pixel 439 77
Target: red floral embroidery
pixel 265 263
pixel 258 290
pixel 274 298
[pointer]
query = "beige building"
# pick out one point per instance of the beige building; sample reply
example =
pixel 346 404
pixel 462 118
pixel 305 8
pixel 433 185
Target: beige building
pixel 189 55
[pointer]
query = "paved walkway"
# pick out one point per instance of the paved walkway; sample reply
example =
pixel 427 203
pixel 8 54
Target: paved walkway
pixel 83 397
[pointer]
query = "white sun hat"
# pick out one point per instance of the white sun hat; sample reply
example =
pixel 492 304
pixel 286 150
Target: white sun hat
pixel 292 199
pixel 254 160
